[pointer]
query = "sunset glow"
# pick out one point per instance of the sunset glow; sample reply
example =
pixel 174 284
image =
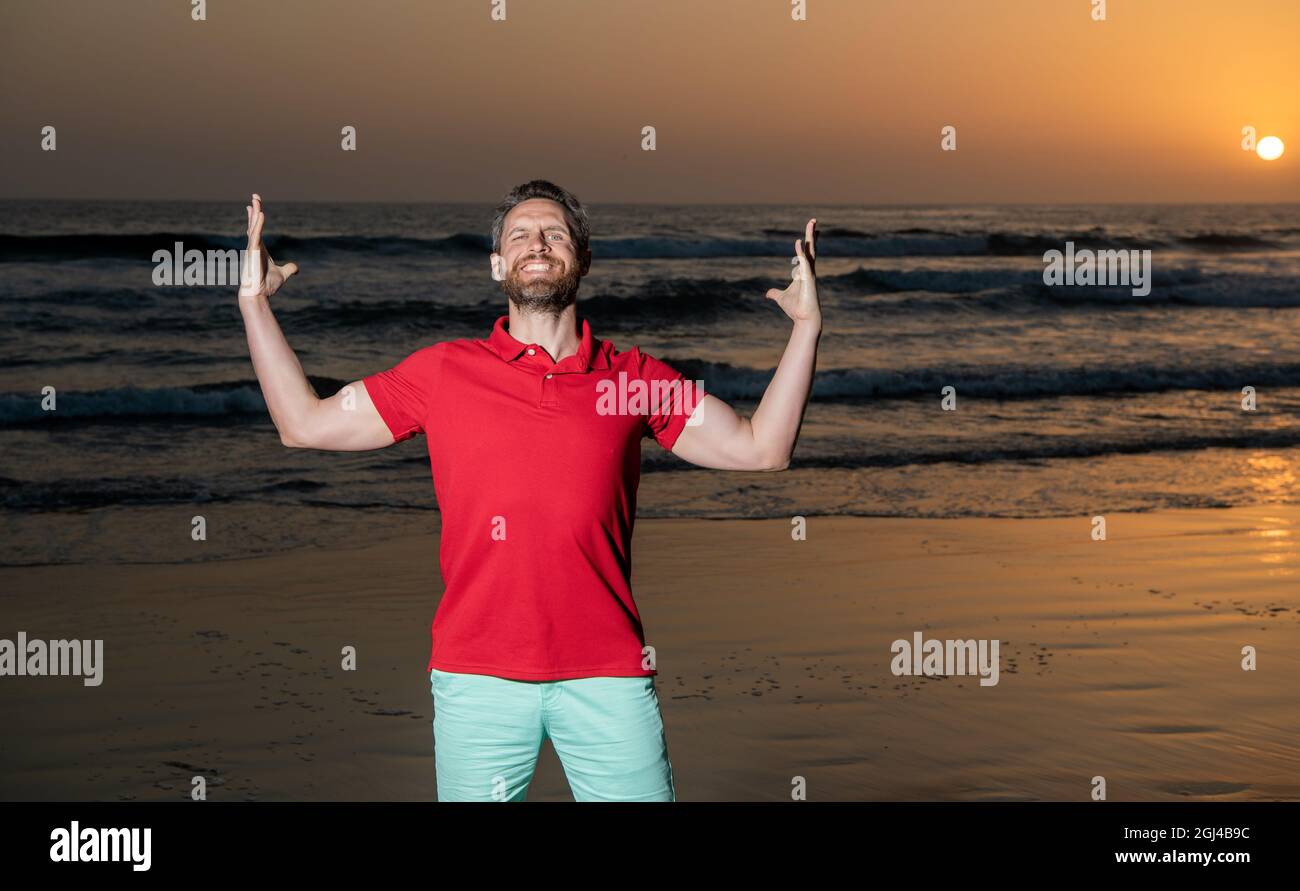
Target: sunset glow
pixel 1270 148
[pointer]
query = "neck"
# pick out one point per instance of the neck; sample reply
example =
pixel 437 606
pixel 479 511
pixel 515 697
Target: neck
pixel 558 335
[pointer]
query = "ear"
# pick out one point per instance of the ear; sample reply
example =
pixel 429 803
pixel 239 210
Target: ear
pixel 498 268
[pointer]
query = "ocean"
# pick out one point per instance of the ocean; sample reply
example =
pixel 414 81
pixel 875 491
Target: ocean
pixel 1070 400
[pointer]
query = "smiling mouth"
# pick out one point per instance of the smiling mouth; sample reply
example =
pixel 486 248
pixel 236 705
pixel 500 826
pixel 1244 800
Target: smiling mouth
pixel 536 267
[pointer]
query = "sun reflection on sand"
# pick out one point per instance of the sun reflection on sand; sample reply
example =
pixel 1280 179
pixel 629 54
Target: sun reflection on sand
pixel 1274 476
pixel 1270 474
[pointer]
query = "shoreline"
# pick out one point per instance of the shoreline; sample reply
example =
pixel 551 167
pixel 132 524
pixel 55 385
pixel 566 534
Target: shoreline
pixel 1118 659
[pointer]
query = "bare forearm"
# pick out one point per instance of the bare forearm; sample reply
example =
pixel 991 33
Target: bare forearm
pixel 289 395
pixel 776 421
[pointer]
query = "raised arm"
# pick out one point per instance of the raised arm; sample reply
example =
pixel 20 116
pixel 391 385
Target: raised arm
pixel 346 421
pixel 723 440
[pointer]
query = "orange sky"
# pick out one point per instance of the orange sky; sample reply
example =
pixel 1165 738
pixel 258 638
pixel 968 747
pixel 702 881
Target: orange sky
pixel 749 105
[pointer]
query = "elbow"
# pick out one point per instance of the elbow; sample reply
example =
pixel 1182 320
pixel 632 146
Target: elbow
pixel 774 464
pixel 288 440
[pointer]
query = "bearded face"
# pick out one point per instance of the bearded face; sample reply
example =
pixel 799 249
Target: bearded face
pixel 541 263
pixel 542 284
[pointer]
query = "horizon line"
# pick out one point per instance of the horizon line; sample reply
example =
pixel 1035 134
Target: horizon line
pixel 860 204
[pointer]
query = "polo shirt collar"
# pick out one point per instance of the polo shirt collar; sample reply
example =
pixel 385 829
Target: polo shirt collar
pixel 592 352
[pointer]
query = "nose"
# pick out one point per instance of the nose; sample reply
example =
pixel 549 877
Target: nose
pixel 538 242
pixel 536 252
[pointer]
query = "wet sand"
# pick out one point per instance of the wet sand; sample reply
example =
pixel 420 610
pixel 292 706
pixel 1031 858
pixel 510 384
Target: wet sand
pixel 1119 658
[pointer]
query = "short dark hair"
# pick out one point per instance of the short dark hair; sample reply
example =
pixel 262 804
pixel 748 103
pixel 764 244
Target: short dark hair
pixel 575 214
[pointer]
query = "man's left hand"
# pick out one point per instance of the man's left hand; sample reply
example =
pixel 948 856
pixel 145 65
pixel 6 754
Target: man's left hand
pixel 799 300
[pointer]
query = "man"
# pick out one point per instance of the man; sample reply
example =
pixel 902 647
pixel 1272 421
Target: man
pixel 534 439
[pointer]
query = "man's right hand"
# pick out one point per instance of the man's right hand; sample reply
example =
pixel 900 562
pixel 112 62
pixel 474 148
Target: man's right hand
pixel 261 276
pixel 347 421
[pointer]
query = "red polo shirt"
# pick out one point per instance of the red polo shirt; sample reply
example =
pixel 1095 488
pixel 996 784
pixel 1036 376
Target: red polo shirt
pixel 535 466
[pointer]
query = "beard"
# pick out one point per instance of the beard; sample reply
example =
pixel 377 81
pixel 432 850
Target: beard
pixel 549 294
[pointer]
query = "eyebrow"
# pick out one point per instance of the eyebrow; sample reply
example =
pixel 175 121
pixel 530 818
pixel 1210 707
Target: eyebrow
pixel 562 228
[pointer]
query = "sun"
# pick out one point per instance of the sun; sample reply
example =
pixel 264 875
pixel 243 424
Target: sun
pixel 1270 148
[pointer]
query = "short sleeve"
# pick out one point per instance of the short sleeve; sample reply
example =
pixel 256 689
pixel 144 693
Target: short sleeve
pixel 672 398
pixel 402 394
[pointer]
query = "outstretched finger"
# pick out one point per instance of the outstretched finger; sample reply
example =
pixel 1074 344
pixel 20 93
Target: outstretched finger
pixel 800 268
pixel 255 237
pixel 288 269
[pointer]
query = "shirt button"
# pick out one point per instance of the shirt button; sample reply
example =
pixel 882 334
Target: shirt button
pixel 532 352
pixel 548 377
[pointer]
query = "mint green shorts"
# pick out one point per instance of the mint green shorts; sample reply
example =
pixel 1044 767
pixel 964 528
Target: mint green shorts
pixel 608 732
